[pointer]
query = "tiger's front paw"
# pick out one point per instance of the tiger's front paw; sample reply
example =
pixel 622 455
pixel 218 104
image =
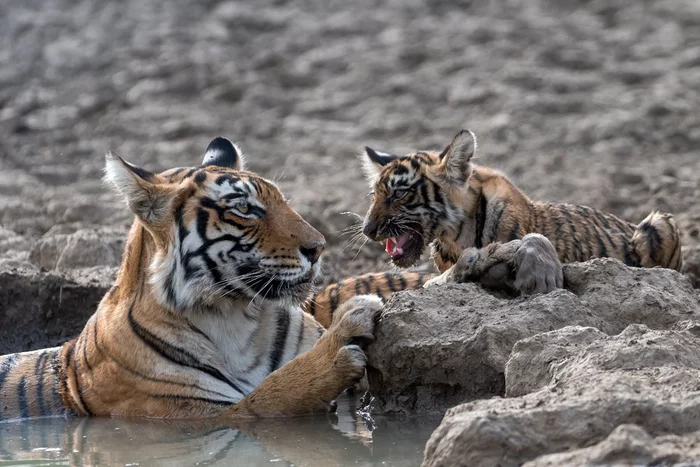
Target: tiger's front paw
pixel 349 365
pixel 355 319
pixel 538 269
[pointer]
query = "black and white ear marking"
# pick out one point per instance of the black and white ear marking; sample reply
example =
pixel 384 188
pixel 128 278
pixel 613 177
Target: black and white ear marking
pixel 373 162
pixel 379 158
pixel 456 158
pixel 223 153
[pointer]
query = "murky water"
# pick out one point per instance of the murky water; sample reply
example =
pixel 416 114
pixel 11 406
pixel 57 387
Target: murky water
pixel 344 438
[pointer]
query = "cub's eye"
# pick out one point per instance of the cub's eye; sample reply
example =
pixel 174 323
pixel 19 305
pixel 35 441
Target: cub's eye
pixel 400 193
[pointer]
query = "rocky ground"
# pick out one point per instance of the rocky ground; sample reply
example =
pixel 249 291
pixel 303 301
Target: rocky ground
pixel 605 371
pixel 585 101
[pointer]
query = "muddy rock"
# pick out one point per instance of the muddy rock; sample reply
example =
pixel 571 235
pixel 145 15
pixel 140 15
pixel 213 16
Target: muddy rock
pixel 621 295
pixel 530 364
pixel 629 445
pixel 641 376
pixel 44 309
pixel 438 347
pixel 691 264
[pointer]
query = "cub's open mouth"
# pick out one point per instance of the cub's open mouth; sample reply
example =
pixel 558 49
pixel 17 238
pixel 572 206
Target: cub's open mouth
pixel 405 249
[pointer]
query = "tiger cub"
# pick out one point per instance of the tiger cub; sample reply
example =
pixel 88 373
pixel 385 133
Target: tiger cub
pixel 445 200
pixel 205 318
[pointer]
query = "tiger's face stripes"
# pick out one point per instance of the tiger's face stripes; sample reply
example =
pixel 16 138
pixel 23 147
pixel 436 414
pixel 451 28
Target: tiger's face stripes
pixel 223 232
pixel 418 197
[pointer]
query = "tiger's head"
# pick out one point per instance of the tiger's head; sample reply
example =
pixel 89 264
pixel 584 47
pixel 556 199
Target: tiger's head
pixel 218 231
pixel 418 197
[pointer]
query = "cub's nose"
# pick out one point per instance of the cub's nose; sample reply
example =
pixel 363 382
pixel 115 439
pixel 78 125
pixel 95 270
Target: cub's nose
pixel 370 229
pixel 313 251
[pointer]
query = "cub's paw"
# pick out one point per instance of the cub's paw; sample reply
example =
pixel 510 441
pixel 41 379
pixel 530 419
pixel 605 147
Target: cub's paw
pixel 538 269
pixel 349 365
pixel 355 319
pixel 442 279
pixel 470 266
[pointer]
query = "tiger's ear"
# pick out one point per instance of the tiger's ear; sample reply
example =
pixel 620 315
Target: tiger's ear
pixel 455 160
pixel 223 153
pixel 145 193
pixel 373 163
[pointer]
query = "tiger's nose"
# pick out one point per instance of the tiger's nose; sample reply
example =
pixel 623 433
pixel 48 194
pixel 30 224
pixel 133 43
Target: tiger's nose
pixel 370 229
pixel 313 251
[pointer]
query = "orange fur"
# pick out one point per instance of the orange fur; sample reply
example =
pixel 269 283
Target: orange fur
pixel 204 319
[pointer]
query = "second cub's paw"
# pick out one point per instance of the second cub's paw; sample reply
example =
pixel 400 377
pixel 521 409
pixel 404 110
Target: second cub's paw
pixel 355 319
pixel 349 365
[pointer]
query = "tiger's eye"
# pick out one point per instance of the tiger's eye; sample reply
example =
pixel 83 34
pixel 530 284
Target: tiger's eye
pixel 242 208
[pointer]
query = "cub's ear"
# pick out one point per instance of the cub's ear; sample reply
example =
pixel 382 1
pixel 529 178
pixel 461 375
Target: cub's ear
pixel 145 193
pixel 223 153
pixel 373 163
pixel 455 160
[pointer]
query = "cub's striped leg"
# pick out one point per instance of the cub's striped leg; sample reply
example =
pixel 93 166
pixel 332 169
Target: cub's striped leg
pixel 323 303
pixel 657 241
pixel 30 384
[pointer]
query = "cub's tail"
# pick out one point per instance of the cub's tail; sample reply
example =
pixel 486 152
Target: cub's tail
pixel 657 241
pixel 323 303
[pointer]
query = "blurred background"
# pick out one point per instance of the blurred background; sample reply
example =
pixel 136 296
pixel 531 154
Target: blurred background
pixel 591 102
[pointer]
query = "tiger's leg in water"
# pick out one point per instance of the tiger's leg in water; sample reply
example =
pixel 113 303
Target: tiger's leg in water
pixel 529 265
pixel 309 382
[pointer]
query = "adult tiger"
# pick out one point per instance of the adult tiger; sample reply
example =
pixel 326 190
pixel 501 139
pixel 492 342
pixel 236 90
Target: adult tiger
pixel 482 227
pixel 204 319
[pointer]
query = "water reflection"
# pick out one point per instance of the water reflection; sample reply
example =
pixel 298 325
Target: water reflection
pixel 340 439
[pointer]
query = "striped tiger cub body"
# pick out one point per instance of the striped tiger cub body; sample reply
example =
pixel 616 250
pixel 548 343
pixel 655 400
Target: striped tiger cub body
pixel 206 316
pixel 446 201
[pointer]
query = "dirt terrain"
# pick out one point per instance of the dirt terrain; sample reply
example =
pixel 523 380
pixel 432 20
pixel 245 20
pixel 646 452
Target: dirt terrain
pixel 591 102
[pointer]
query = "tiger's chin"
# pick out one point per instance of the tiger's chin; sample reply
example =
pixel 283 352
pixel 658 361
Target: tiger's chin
pixel 290 290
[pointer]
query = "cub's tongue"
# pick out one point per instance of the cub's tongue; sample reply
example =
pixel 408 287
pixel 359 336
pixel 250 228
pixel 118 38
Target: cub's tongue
pixel 390 245
pixel 394 245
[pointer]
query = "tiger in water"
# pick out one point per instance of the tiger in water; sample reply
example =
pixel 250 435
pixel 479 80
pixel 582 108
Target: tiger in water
pixel 481 227
pixel 206 318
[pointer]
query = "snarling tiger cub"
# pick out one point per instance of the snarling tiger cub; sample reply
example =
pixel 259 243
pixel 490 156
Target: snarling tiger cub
pixel 205 318
pixel 482 227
